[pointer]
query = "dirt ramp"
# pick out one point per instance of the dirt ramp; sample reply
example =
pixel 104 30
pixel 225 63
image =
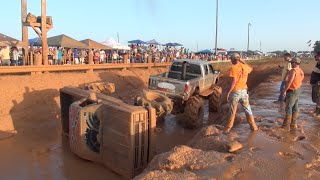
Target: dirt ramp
pixel 162 174
pixel 182 160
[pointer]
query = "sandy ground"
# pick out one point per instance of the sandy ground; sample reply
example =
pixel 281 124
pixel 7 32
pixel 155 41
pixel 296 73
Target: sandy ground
pixel 30 106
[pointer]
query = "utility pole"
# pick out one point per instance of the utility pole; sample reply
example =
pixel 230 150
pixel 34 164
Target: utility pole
pixel 118 37
pixel 248 37
pixel 216 40
pixel 24 11
pixel 44 32
pixel 197 46
pixel 260 46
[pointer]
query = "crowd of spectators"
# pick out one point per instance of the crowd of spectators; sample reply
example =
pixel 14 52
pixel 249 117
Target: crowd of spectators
pixel 137 54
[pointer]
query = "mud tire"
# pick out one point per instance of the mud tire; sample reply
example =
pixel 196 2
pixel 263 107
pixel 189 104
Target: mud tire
pixel 193 113
pixel 215 99
pixel 101 87
pixel 161 103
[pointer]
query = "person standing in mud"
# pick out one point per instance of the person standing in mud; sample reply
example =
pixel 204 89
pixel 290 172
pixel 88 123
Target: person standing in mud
pixel 238 92
pixel 284 76
pixel 292 92
pixel 315 82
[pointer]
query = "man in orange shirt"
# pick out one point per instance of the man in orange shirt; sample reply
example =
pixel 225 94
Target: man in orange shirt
pixel 238 92
pixel 292 92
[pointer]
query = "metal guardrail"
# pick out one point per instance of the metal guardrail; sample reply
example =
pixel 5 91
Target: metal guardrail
pixel 84 67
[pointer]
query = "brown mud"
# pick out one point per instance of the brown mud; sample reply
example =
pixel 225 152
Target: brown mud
pixel 270 153
pixel 30 114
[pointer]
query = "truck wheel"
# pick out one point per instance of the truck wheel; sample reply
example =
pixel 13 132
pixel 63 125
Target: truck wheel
pixel 101 87
pixel 193 113
pixel 215 99
pixel 161 103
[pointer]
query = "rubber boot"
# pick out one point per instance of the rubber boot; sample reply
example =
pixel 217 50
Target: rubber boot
pixel 286 122
pixel 229 124
pixel 295 117
pixel 252 123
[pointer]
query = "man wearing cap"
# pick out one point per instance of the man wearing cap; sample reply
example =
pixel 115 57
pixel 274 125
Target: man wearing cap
pixel 284 76
pixel 315 82
pixel 238 92
pixel 292 92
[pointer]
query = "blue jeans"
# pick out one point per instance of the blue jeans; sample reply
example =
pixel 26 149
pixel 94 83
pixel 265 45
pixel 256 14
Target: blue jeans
pixel 15 62
pixel 242 97
pixel 282 86
pixel 292 101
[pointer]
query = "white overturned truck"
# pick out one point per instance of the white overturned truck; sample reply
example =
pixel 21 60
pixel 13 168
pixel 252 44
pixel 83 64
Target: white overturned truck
pixel 183 90
pixel 108 131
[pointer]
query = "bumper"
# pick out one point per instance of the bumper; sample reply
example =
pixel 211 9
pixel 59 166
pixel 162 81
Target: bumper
pixel 184 97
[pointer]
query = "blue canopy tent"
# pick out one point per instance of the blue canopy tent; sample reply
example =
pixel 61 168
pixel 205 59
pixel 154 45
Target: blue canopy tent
pixel 138 41
pixel 206 51
pixel 173 44
pixel 169 44
pixel 177 44
pixel 153 42
pixel 33 41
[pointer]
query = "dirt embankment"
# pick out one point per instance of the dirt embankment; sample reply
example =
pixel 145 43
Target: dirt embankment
pixel 26 100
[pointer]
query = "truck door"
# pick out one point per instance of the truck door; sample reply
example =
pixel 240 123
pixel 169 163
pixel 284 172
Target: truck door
pixel 208 76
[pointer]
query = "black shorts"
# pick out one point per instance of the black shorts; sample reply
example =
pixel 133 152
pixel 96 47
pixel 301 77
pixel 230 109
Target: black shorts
pixel 316 92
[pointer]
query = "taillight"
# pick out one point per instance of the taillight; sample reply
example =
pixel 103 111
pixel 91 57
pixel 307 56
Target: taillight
pixel 186 88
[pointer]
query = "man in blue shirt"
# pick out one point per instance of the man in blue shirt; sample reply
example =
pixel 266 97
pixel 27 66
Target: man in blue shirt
pixel 59 56
pixel 76 56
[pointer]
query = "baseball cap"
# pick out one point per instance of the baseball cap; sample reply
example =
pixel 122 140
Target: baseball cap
pixel 235 56
pixel 296 60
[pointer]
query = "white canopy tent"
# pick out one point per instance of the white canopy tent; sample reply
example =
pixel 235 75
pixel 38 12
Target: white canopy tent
pixel 115 45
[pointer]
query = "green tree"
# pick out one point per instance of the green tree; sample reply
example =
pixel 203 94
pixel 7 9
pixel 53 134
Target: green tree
pixel 280 53
pixel 316 46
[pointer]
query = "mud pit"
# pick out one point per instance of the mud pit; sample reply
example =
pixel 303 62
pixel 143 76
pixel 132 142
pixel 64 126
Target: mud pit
pixel 270 153
pixel 38 151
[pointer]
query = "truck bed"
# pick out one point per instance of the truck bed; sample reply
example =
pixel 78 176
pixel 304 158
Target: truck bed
pixel 177 76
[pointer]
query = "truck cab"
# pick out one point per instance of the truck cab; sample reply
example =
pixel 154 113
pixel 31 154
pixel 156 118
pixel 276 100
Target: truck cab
pixel 185 78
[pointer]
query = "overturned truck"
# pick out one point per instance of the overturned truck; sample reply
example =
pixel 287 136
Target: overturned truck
pixel 106 130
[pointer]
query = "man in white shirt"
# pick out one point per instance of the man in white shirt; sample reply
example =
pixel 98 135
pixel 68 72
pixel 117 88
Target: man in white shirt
pixel 284 76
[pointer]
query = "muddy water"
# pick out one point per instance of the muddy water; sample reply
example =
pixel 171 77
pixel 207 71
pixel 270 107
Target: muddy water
pixel 269 153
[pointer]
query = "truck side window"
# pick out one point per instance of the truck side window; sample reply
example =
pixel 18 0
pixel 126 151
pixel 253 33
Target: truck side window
pixel 193 69
pixel 206 71
pixel 210 69
pixel 176 67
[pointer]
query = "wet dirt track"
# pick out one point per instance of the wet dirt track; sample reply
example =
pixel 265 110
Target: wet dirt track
pixel 269 153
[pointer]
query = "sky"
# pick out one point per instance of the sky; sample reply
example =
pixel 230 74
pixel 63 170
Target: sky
pixel 277 24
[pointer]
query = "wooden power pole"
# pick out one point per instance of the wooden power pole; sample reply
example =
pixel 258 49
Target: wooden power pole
pixel 24 31
pixel 44 26
pixel 44 32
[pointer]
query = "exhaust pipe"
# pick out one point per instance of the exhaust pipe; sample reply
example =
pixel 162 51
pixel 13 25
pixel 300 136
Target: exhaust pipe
pixel 184 70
